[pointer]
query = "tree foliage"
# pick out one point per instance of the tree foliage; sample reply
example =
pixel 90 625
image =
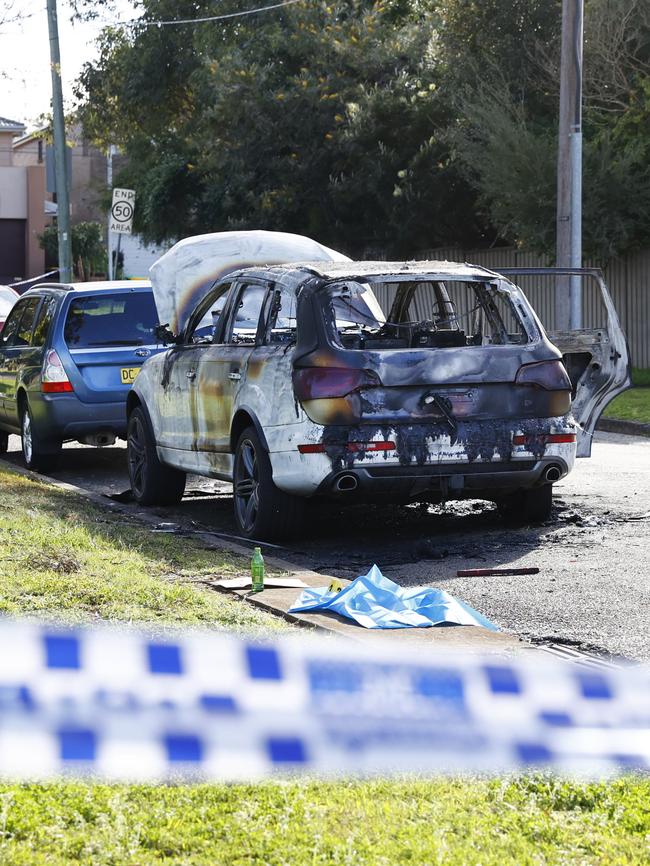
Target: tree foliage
pixel 507 139
pixel 390 124
pixel 323 119
pixel 88 251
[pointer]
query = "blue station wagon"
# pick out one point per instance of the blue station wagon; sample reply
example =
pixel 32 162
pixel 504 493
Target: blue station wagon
pixel 68 357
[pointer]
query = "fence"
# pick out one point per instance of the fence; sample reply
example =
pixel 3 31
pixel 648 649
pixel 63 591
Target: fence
pixel 628 280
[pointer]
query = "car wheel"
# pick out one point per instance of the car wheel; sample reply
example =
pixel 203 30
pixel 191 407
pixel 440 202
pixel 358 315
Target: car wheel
pixel 40 454
pixel 152 482
pixel 528 506
pixel 4 442
pixel 261 510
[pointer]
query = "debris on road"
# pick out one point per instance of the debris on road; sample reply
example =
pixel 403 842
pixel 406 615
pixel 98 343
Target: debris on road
pixel 490 572
pixel 170 528
pixel 269 583
pixel 644 516
pixel 374 601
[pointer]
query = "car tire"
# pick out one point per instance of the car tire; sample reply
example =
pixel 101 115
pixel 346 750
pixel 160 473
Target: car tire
pixel 152 482
pixel 4 442
pixel 528 506
pixel 262 511
pixel 41 454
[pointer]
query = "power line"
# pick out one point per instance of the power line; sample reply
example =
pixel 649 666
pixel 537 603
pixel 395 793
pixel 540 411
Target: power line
pixel 168 23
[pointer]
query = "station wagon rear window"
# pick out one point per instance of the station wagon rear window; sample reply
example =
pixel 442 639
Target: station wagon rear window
pixel 111 320
pixel 412 314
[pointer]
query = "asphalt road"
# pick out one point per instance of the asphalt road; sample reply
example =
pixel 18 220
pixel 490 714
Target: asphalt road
pixel 593 590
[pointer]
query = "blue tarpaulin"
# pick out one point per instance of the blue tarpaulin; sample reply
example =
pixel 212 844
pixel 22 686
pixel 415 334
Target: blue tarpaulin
pixel 374 601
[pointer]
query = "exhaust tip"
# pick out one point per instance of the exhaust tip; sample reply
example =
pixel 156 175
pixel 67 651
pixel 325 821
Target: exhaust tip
pixel 553 473
pixel 346 483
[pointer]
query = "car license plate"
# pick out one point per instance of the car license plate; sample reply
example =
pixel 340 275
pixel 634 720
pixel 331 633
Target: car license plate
pixel 128 374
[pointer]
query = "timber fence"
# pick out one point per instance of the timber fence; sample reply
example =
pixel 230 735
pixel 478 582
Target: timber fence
pixel 627 278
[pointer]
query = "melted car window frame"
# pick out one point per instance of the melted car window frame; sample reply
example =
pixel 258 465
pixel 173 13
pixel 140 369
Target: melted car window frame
pixel 221 289
pixel 395 330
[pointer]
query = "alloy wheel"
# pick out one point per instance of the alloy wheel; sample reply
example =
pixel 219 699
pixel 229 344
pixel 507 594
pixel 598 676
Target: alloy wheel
pixel 137 455
pixel 246 485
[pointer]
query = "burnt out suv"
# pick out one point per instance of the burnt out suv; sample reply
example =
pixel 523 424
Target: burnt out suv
pixel 390 381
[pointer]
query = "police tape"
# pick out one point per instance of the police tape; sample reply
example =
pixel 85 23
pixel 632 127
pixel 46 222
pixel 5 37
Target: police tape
pixel 120 704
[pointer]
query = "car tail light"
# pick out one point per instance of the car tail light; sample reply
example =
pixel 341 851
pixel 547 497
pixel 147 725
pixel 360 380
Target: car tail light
pixel 546 438
pixel 550 375
pixel 316 383
pixel 54 379
pixel 319 447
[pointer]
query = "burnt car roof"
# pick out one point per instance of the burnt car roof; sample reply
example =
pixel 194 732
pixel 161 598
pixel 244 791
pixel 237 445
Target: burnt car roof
pixel 353 270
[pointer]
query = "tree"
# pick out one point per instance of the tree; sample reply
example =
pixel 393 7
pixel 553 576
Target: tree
pixel 88 251
pixel 506 136
pixel 320 119
pixel 390 124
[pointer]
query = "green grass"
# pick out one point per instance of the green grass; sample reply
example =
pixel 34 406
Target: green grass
pixel 61 557
pixel 640 378
pixel 633 405
pixel 456 823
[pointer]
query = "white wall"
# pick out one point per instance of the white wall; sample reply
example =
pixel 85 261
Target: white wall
pixel 13 193
pixel 138 257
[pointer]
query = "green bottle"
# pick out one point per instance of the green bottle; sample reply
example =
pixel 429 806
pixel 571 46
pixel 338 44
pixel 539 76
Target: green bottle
pixel 257 570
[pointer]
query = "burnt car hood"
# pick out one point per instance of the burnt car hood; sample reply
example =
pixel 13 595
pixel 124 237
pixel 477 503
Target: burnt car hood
pixel 183 276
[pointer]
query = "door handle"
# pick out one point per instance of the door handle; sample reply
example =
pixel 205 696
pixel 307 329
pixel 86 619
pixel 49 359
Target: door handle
pixel 234 376
pixel 191 374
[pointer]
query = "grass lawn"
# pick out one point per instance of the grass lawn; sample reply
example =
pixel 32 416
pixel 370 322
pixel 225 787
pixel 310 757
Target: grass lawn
pixel 62 557
pixel 633 405
pixel 455 823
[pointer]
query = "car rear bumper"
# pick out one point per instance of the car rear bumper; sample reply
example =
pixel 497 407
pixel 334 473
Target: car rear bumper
pixel 481 465
pixel 65 416
pixel 444 480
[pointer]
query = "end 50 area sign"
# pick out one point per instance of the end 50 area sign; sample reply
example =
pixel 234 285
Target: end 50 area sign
pixel 122 211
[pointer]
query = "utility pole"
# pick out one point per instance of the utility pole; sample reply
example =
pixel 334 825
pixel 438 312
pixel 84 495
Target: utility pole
pixel 568 292
pixel 60 161
pixel 109 183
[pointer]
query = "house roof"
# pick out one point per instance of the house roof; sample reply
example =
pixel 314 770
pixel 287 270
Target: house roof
pixel 38 134
pixel 7 125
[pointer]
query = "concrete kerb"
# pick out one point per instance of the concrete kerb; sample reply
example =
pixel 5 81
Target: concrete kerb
pixel 628 428
pixel 277 601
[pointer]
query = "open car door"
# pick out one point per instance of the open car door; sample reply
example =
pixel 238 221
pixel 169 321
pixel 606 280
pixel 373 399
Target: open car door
pixel 596 357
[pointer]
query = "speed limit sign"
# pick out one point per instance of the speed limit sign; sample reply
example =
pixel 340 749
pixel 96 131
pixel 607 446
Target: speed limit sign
pixel 122 211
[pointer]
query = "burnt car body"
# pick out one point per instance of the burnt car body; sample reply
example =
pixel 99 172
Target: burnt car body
pixel 384 380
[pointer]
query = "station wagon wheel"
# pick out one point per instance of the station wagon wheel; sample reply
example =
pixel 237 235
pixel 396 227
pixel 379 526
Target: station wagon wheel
pixel 246 486
pixel 152 482
pixel 4 442
pixel 262 511
pixel 39 453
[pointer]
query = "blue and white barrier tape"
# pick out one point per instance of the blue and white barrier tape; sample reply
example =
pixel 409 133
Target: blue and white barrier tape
pixel 120 705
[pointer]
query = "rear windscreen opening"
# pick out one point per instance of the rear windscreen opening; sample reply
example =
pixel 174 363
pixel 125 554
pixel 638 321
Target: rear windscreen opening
pixel 111 320
pixel 424 314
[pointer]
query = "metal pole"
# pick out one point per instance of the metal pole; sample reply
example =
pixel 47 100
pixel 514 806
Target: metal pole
pixel 576 228
pixel 60 160
pixel 117 253
pixel 109 183
pixel 568 301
